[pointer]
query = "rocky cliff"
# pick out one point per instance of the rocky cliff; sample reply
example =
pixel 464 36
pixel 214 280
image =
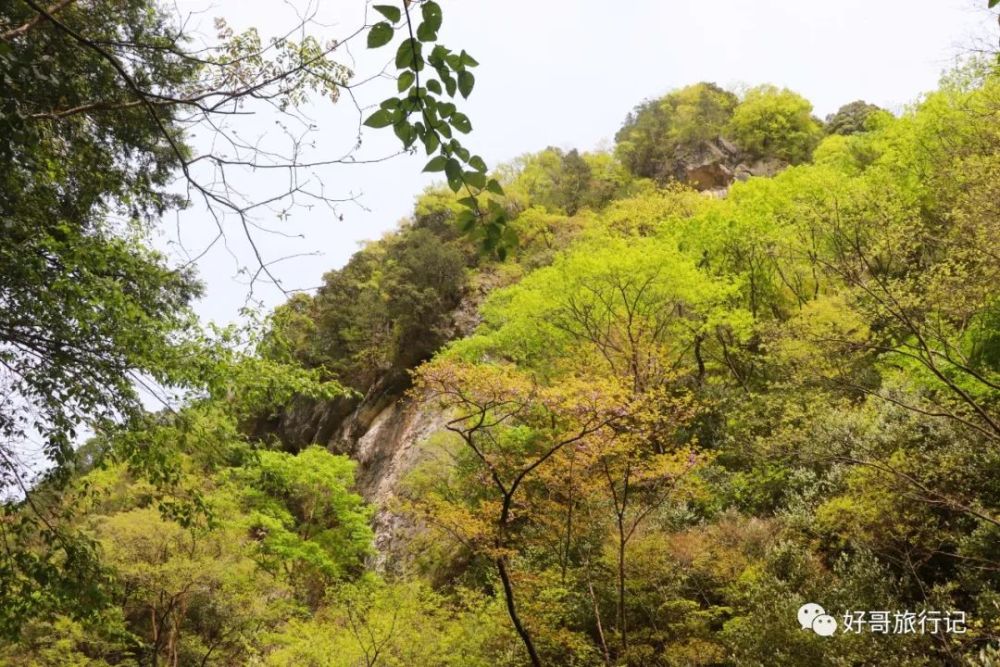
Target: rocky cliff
pixel 381 429
pixel 713 165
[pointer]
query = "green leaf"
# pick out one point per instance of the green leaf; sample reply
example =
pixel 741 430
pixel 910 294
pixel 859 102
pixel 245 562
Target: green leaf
pixel 494 187
pixel 509 235
pixel 478 163
pixel 425 33
pixel 432 15
pixel 446 109
pixel 475 179
pixel 466 221
pixel 405 132
pixel 434 86
pixel 466 60
pixel 388 11
pixel 465 83
pixel 438 54
pixel 430 111
pixel 431 141
pixel 380 118
pixel 406 80
pixel 380 35
pixel 404 55
pixel 993 3
pixel 436 164
pixel 460 122
pixel 449 85
pixel 453 169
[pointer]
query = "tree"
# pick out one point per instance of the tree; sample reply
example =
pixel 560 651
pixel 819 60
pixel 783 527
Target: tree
pixel 275 534
pixel 775 123
pixel 851 118
pixel 513 427
pixel 103 100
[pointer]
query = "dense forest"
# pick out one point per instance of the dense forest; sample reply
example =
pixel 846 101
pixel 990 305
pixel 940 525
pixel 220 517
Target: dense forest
pixel 746 360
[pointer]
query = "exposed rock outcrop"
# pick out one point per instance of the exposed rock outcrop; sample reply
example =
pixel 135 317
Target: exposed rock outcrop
pixel 382 430
pixel 390 448
pixel 713 165
pixel 707 165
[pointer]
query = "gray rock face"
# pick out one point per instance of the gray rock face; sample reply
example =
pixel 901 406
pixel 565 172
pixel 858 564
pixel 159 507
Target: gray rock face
pixel 383 432
pixel 389 449
pixel 712 166
pixel 707 165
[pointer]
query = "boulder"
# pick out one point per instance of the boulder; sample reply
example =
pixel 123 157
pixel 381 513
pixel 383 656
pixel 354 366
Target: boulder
pixel 707 165
pixel 712 165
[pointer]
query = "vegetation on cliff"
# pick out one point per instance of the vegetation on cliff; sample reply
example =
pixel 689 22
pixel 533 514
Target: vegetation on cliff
pixel 669 419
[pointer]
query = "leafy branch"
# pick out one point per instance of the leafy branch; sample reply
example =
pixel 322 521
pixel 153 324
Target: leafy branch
pixel 424 110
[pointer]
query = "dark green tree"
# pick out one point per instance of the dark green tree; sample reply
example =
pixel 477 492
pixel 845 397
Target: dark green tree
pixel 850 118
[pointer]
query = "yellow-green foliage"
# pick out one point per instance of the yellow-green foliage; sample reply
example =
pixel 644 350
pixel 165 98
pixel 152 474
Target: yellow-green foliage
pixel 679 419
pixel 830 334
pixel 773 122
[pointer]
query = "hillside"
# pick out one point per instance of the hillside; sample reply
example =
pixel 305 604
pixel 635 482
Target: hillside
pixel 746 360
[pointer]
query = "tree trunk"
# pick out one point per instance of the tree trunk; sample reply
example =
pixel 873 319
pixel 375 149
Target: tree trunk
pixel 621 585
pixel 508 592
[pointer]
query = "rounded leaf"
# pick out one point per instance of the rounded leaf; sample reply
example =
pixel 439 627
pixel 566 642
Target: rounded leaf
pixel 380 35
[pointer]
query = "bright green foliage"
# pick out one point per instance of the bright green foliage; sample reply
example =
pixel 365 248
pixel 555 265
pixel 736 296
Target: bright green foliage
pixel 699 413
pixel 679 418
pixel 276 530
pixel 394 625
pixel 582 298
pixel 773 122
pixel 819 347
pixel 311 526
pixel 567 182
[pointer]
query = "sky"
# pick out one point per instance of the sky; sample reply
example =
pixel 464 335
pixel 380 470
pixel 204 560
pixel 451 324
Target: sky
pixel 552 73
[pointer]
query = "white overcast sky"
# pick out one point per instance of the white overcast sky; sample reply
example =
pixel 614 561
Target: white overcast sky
pixel 565 73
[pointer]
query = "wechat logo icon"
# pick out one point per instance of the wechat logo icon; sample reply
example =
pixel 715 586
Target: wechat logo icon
pixel 814 617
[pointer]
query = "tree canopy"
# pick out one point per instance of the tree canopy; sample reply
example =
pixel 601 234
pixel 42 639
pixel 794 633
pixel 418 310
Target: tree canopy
pixel 610 419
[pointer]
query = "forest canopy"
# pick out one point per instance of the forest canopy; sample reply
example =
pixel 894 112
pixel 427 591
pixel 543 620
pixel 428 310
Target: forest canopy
pixel 574 410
